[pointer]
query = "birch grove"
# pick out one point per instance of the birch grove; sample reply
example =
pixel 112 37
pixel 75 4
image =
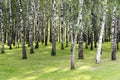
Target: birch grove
pixel 60 27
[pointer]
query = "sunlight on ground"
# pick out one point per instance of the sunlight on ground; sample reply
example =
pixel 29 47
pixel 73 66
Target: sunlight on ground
pixel 66 69
pixel 45 52
pixel 10 53
pixel 13 79
pixel 41 66
pixel 28 78
pixel 48 47
pixel 29 72
pixel 84 67
pixel 49 69
pixel 31 78
pixel 79 77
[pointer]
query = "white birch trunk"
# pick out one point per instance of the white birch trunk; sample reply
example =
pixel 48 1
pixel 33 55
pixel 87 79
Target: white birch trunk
pixel 72 48
pixel 73 38
pixel 31 26
pixel 62 26
pixel 101 34
pixel 10 25
pixel 80 26
pixel 53 53
pixel 24 55
pixel 114 35
pixel 37 14
pixel 2 28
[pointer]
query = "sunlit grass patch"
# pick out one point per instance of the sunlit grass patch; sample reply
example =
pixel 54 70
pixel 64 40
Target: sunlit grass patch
pixel 43 66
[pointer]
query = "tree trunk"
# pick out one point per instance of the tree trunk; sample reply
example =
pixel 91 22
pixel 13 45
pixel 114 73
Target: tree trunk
pixel 62 27
pixel 118 34
pixel 46 26
pixel 37 16
pixel 46 33
pixel 73 42
pixel 10 26
pixel 53 53
pixel 42 31
pixel 24 55
pixel 31 27
pixel 50 38
pixel 80 50
pixel 2 27
pixel 59 31
pixel 114 35
pixel 17 34
pixel 67 34
pixel 91 40
pixel 27 22
pixel 101 34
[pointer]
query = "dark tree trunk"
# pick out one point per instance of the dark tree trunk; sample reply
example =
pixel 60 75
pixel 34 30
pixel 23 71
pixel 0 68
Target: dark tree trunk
pixel 67 34
pixel 59 32
pixel 91 41
pixel 46 33
pixel 27 37
pixel 42 33
pixel 50 39
pixel 86 42
pixel 62 26
pixel 118 34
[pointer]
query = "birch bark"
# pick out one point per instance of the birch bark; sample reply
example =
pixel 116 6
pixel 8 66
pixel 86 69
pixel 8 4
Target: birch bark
pixel 101 34
pixel 2 28
pixel 24 55
pixel 62 27
pixel 53 53
pixel 10 25
pixel 80 50
pixel 114 35
pixel 31 26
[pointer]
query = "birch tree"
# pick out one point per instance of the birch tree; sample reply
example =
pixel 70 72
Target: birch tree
pixel 114 34
pixel 37 17
pixel 101 33
pixel 73 42
pixel 62 27
pixel 53 53
pixel 10 25
pixel 27 22
pixel 24 55
pixel 80 26
pixel 2 28
pixel 46 20
pixel 74 34
pixel 31 20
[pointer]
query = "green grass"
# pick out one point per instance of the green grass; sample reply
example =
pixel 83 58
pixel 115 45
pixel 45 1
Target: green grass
pixel 43 66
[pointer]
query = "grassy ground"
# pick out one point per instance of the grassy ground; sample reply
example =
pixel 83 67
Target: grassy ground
pixel 42 66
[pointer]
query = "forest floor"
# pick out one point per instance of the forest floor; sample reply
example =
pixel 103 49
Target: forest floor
pixel 43 66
